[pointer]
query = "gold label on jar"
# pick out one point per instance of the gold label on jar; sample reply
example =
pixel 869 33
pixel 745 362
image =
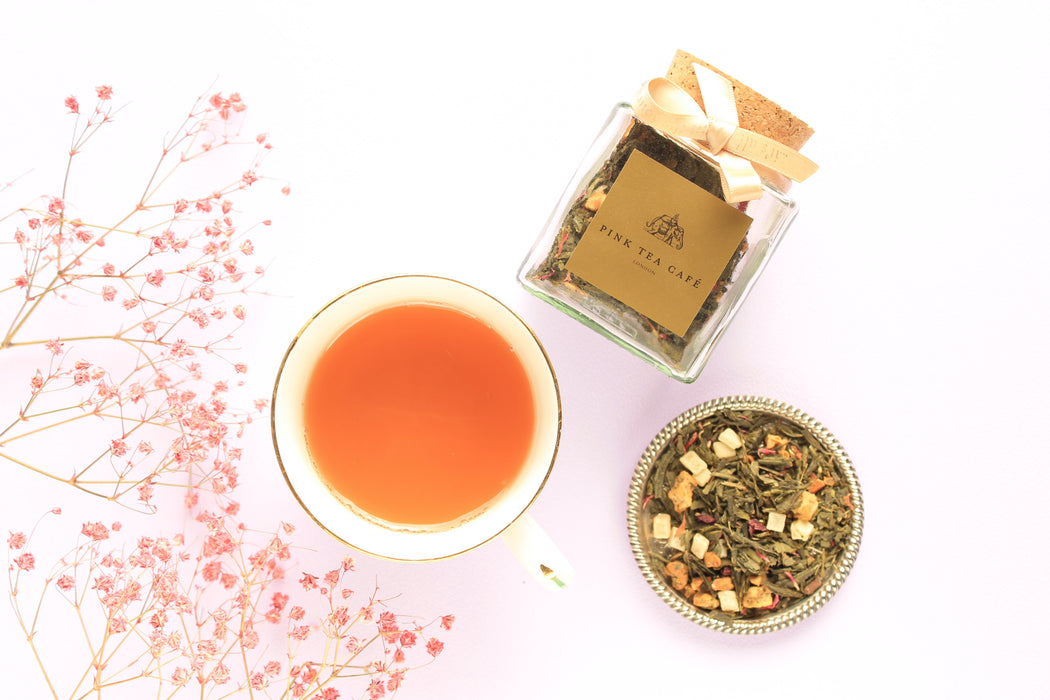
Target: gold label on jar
pixel 658 243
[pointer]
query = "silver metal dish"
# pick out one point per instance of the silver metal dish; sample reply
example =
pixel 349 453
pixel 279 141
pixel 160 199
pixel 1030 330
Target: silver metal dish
pixel 797 610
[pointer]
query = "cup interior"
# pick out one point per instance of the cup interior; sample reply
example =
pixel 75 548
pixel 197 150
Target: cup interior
pixel 397 541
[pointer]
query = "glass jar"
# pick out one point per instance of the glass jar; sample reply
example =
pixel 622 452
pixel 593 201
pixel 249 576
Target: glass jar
pixel 548 272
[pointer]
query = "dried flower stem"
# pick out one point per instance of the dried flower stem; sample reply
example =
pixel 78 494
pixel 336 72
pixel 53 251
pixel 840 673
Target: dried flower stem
pixel 196 610
pixel 187 610
pixel 160 278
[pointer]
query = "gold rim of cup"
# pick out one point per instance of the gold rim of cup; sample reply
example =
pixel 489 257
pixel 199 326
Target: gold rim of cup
pixel 329 527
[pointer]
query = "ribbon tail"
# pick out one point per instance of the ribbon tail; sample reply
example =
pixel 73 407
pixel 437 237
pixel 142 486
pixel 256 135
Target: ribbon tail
pixel 740 182
pixel 771 154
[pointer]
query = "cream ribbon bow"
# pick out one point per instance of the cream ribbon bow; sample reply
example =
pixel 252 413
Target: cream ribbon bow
pixel 667 107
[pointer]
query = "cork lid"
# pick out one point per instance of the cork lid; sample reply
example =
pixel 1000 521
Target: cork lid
pixel 756 112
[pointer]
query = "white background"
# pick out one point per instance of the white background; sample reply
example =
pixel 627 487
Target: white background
pixel 906 309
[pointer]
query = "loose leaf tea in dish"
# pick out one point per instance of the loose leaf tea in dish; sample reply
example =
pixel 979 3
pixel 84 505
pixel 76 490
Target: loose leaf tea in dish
pixel 745 513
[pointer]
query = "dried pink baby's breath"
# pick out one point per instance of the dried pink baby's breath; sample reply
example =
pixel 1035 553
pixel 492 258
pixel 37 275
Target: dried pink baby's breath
pixel 210 608
pixel 129 323
pixel 149 298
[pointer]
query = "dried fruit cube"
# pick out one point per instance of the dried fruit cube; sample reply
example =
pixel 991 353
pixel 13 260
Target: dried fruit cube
pixel 596 199
pixel 662 526
pixel 699 545
pixel 693 462
pixel 757 597
pixel 728 602
pixel 681 494
pixel 722 450
pixel 801 529
pixel 776 522
pixel 679 574
pixel 807 506
pixel 723 583
pixel 729 438
pixel 774 442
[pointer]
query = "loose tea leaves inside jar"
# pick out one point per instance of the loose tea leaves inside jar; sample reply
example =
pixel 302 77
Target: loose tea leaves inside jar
pixel 695 231
pixel 563 265
pixel 746 513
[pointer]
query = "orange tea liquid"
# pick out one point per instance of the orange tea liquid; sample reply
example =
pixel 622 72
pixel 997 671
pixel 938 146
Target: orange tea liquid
pixel 419 414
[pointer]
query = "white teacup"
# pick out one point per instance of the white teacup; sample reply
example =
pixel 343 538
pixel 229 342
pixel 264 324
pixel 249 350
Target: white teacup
pixel 504 515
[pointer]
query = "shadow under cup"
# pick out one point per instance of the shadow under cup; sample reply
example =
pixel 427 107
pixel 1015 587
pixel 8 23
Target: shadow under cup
pixel 329 509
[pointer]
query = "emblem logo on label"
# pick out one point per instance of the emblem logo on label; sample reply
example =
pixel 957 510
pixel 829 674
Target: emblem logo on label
pixel 667 285
pixel 667 229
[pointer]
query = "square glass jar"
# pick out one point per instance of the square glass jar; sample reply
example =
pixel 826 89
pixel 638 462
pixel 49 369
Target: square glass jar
pixel 545 271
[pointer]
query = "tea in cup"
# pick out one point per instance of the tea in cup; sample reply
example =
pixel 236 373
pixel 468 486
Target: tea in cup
pixel 416 418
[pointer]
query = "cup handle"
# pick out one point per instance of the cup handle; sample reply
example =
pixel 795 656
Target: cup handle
pixel 537 552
